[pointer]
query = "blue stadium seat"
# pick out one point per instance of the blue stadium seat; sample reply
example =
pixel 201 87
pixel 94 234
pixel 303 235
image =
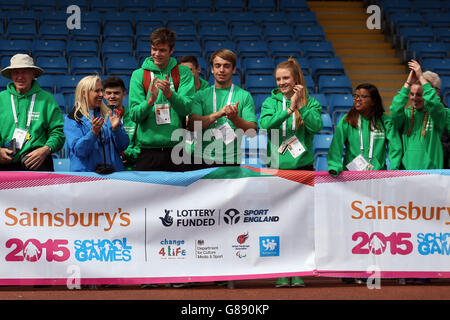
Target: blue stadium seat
pixel 168 5
pixel 13 5
pixel 4 81
pixel 91 17
pixel 191 48
pixel 259 83
pixel 137 6
pixel 309 33
pixel 20 17
pixel 322 99
pixel 118 33
pixel 420 50
pixel 212 19
pixel 429 6
pixel 180 18
pixel 59 97
pixel 437 20
pixel 442 34
pixel 294 5
pixel 276 18
pixel 318 49
pixel 259 98
pixel 119 18
pixel 54 16
pixel 85 65
pixel 330 66
pixel 61 164
pixel 198 5
pixel 144 31
pixel 120 65
pixel 70 100
pixel 334 84
pixel 42 5
pixel 306 18
pixel 67 83
pixel 278 33
pixel 81 48
pixel 24 31
pixel 105 5
pixel 53 65
pixel 285 49
pixel 445 87
pixel 407 35
pixel 116 49
pixel 210 46
pixel 339 103
pixel 47 82
pixel 253 33
pixel 211 32
pixel 11 47
pixel 258 65
pixel 242 18
pixel 310 84
pixel 261 5
pixel 405 19
pixel 88 31
pixel 321 144
pixel 320 163
pixel 83 4
pixel 149 18
pixel 142 49
pixel 49 48
pixel 185 32
pixel 252 49
pixel 440 66
pixel 53 32
pixel 229 5
pixel 327 124
pixel 395 6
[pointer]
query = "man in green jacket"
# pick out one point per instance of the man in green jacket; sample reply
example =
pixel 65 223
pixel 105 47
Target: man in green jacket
pixel 421 124
pixel 159 101
pixel 31 121
pixel 220 111
pixel 192 63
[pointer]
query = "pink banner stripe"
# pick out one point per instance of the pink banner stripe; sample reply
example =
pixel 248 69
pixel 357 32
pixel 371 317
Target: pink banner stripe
pixel 20 180
pixel 324 177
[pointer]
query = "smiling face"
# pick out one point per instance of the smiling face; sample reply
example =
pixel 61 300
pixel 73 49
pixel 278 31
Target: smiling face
pixel 415 95
pixel 95 96
pixel 285 81
pixel 161 53
pixel 363 101
pixel 114 96
pixel 22 78
pixel 223 71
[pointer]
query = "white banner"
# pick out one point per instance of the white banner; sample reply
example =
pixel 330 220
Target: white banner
pixel 395 223
pixel 153 227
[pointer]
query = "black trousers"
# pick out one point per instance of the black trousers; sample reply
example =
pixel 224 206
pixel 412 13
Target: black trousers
pixel 47 165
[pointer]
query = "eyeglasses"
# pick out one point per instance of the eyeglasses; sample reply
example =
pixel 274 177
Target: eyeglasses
pixel 360 96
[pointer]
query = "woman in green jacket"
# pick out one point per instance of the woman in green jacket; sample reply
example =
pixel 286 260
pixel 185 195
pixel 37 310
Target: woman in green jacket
pixel 366 133
pixel 291 118
pixel 421 124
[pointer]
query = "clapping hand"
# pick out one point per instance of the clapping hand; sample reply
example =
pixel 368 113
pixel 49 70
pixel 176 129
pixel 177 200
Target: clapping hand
pixel 97 124
pixel 114 118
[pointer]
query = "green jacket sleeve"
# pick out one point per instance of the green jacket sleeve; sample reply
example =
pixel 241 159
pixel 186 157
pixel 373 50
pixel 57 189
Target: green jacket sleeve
pixel 394 143
pixel 139 109
pixel 181 99
pixel 55 123
pixel 269 117
pixel 433 104
pixel 311 115
pixel 397 109
pixel 336 150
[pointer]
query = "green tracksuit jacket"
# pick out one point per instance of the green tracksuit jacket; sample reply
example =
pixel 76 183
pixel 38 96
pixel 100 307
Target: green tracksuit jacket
pixel 420 152
pixel 149 134
pixel 133 149
pixel 202 104
pixel 272 118
pixel 47 124
pixel 386 138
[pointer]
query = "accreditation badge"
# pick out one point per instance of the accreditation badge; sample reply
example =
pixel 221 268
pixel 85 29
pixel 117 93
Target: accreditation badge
pixel 359 164
pixel 21 136
pixel 162 113
pixel 295 147
pixel 225 133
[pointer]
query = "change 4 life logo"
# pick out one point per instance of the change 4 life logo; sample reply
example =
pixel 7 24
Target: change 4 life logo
pixel 269 246
pixel 172 249
pixel 241 247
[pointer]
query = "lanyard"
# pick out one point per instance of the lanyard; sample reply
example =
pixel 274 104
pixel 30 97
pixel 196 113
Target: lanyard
pixel 361 140
pixel 30 112
pixel 215 99
pixel 293 119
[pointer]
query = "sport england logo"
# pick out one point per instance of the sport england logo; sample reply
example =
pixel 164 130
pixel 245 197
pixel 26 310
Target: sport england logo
pixel 269 246
pixel 231 216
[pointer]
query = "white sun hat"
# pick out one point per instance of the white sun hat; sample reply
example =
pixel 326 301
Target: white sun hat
pixel 19 61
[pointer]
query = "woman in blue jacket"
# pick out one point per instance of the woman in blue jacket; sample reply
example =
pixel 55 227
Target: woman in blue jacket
pixel 95 135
